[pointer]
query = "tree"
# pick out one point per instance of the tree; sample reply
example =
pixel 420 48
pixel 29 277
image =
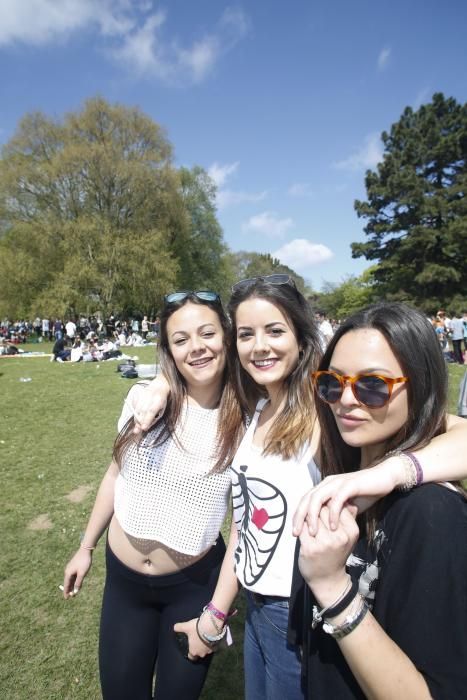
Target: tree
pixel 93 216
pixel 352 294
pixel 198 242
pixel 248 265
pixel 416 209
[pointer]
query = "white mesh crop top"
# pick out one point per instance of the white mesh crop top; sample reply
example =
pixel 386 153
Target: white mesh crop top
pixel 166 493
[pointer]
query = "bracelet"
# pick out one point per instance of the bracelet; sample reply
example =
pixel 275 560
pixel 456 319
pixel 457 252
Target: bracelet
pixel 338 606
pixel 218 613
pixel 90 549
pixel 213 619
pixel 349 624
pixel 413 471
pixel 210 639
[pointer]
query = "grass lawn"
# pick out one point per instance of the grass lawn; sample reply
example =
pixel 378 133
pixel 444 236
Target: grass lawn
pixel 56 436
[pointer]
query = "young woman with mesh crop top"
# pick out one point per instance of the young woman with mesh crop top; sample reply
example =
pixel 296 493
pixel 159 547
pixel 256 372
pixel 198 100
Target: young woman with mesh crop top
pixel 164 498
pixel 277 348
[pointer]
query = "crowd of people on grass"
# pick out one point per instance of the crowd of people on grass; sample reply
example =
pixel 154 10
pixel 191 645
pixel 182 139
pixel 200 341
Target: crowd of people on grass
pixel 81 339
pixel 452 331
pixel 124 331
pixel 349 520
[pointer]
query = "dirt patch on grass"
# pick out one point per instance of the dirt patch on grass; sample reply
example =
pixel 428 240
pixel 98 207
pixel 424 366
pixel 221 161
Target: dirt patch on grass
pixel 78 494
pixel 42 522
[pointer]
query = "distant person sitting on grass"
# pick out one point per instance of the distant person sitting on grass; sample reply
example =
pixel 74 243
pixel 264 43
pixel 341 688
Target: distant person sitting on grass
pixel 7 348
pixel 60 351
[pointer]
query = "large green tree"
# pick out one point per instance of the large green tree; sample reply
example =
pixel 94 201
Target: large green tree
pixel 93 216
pixel 198 242
pixel 416 209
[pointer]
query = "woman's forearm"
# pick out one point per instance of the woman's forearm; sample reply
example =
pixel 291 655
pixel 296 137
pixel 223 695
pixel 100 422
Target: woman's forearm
pixel 150 403
pixel 381 668
pixel 103 508
pixel 227 585
pixel 444 458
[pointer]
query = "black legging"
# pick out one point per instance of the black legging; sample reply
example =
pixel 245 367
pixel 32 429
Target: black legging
pixel 138 615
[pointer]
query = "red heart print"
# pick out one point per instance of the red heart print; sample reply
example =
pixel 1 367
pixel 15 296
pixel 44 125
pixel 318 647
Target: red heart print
pixel 260 518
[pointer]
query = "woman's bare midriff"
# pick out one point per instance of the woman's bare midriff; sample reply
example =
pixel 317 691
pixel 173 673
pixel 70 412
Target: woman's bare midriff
pixel 147 556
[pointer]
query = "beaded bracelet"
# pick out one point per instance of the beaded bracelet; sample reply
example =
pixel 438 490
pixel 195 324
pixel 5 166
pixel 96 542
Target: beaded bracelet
pixel 349 624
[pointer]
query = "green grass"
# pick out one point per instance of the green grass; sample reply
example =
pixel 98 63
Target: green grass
pixel 56 434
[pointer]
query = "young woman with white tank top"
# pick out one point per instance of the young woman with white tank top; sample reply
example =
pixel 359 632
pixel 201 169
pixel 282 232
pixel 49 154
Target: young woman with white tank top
pixel 164 498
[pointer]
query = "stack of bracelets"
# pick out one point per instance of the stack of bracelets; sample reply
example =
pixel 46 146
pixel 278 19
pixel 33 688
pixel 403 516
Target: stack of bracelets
pixel 215 615
pixel 413 470
pixel 356 614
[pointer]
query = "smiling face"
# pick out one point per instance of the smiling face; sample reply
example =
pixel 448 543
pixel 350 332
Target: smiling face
pixel 196 343
pixel 366 351
pixel 266 343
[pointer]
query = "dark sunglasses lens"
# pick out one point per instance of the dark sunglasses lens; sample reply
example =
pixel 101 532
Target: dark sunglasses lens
pixel 372 391
pixel 175 296
pixel 243 283
pixel 206 295
pixel 278 279
pixel 328 388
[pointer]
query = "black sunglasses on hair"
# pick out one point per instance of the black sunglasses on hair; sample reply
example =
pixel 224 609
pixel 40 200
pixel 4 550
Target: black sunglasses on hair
pixel 202 295
pixel 277 279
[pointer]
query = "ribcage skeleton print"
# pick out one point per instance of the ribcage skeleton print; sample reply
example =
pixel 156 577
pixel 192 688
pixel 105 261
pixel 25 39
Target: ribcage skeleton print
pixel 261 525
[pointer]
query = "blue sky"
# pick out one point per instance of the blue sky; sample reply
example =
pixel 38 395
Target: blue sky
pixel 283 103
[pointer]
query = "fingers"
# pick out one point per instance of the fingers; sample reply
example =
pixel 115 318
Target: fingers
pixel 336 505
pixel 301 514
pixel 181 627
pixel 144 420
pixel 334 492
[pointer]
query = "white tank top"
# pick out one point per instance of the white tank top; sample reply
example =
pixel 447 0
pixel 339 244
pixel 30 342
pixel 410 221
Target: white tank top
pixel 266 490
pixel 166 493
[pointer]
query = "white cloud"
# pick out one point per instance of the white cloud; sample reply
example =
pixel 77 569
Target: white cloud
pixel 227 198
pixel 131 35
pixel 383 58
pixel 366 157
pixel 300 189
pixel 43 21
pixel 300 254
pixel 220 173
pixel 268 224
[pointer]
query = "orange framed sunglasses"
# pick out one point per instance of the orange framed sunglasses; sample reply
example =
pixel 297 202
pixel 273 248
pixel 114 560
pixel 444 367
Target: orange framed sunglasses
pixel 372 390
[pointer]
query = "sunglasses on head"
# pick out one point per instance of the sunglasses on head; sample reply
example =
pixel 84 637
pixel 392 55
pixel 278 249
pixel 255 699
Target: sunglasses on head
pixel 202 295
pixel 372 390
pixel 277 279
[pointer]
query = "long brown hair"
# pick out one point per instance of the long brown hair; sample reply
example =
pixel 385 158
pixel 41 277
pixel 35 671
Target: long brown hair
pixel 292 429
pixel 230 423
